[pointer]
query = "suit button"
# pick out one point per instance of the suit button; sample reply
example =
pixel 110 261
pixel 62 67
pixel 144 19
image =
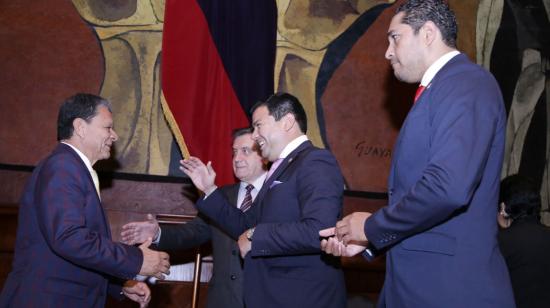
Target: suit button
pixel 233 277
pixel 234 252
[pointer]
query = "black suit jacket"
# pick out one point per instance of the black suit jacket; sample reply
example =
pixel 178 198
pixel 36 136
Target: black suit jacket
pixel 226 286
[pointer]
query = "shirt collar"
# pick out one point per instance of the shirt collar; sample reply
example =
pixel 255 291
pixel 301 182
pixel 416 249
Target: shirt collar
pixel 82 156
pixel 257 183
pixel 293 145
pixel 436 66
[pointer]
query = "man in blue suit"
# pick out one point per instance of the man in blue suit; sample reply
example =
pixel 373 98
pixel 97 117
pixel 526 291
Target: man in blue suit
pixel 225 289
pixel 278 236
pixel 439 228
pixel 64 255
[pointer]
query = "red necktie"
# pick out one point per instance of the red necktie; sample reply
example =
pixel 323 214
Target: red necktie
pixel 419 92
pixel 247 201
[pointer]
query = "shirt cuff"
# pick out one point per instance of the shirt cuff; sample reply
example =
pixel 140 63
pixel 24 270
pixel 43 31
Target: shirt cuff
pixel 206 194
pixel 156 239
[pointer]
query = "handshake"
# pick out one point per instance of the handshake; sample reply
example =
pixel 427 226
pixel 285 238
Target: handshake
pixel 348 237
pixel 155 263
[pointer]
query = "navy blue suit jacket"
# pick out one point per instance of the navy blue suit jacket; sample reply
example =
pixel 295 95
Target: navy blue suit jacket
pixel 285 267
pixel 64 255
pixel 440 224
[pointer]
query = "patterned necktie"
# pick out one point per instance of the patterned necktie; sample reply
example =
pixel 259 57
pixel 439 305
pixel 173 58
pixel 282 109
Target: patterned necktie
pixel 273 167
pixel 247 201
pixel 95 178
pixel 419 92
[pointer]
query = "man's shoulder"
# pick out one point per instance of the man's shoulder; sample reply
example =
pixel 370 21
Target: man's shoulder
pixel 230 187
pixel 62 163
pixel 461 65
pixel 230 191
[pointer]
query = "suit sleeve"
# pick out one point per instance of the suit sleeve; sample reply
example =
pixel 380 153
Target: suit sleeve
pixel 183 236
pixel 232 220
pixel 115 290
pixel 463 128
pixel 62 203
pixel 319 192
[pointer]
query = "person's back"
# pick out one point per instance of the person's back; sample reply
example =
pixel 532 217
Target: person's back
pixel 525 242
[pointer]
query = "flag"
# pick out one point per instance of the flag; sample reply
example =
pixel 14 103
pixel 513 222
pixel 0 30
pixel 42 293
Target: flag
pixel 217 61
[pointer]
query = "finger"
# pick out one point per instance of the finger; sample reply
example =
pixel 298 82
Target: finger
pixel 147 299
pixel 191 162
pixel 340 223
pixel 346 239
pixel 147 243
pixel 327 246
pixel 327 232
pixel 340 232
pixel 324 245
pixel 332 247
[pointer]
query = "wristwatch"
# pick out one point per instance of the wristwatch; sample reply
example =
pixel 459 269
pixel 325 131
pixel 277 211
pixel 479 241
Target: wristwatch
pixel 250 233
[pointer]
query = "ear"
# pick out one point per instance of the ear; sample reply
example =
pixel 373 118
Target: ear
pixel 429 32
pixel 288 121
pixel 503 210
pixel 79 127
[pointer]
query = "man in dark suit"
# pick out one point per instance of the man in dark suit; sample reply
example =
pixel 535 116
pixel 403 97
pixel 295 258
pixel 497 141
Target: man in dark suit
pixel 524 241
pixel 64 255
pixel 226 286
pixel 439 228
pixel 278 236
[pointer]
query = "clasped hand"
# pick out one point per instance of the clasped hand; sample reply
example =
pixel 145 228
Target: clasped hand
pixel 347 238
pixel 155 263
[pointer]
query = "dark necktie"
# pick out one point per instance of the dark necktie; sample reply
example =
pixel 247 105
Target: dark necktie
pixel 247 201
pixel 419 92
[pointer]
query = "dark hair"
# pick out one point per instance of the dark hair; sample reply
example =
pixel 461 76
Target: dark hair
pixel 418 12
pixel 280 104
pixel 241 131
pixel 520 196
pixel 81 105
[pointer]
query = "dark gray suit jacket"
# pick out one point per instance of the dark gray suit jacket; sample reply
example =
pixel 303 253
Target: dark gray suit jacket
pixel 225 288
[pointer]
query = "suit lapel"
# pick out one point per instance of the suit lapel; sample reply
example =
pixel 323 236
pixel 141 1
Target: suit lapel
pixel 84 169
pixel 232 193
pixel 288 161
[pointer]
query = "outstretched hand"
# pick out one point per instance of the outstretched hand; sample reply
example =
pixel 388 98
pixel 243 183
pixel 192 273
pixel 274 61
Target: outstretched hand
pixel 138 232
pixel 202 175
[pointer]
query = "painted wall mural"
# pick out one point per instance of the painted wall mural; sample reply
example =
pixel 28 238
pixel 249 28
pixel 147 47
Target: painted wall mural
pixel 130 34
pixel 329 53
